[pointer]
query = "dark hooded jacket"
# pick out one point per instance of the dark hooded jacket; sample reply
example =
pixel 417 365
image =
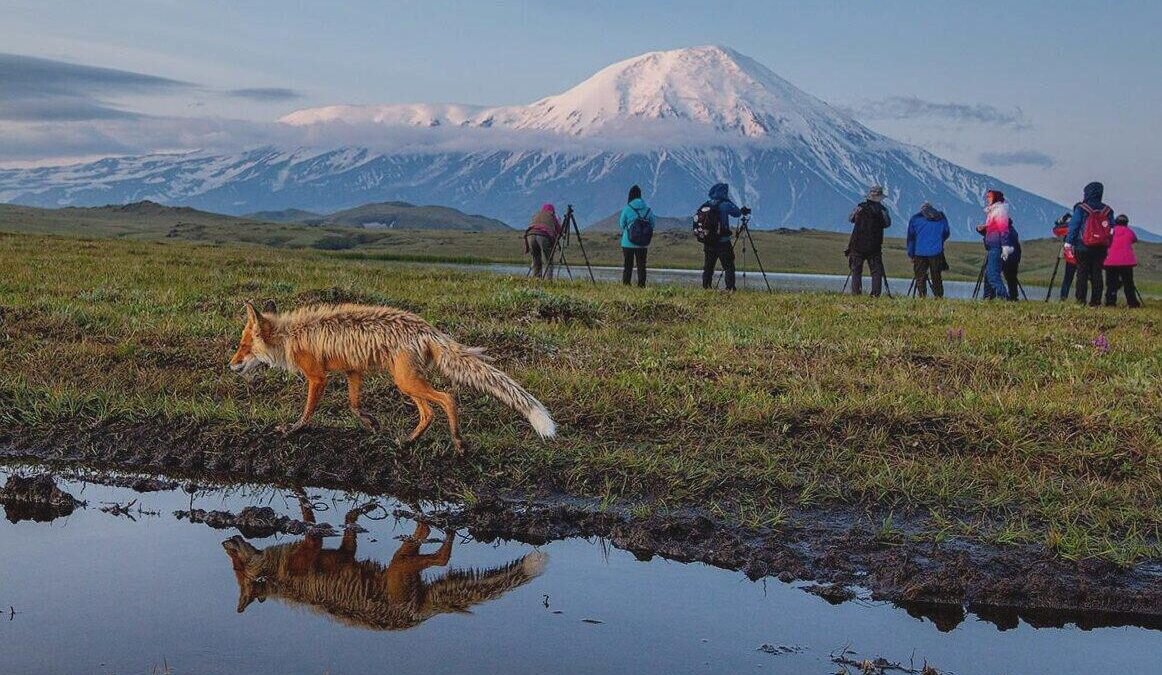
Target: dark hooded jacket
pixel 870 219
pixel 720 195
pixel 1012 239
pixel 927 231
pixel 1093 198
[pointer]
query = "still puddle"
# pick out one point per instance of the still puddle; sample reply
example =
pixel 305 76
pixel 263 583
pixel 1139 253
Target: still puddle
pixel 137 589
pixel 784 282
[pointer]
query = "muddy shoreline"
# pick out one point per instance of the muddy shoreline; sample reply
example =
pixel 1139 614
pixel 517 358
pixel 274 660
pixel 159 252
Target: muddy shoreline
pixel 837 548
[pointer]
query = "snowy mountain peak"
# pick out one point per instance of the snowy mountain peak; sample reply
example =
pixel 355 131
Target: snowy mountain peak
pixel 673 122
pixel 713 88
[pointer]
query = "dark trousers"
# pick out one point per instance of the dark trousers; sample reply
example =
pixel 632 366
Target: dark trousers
pixel 1121 277
pixel 875 264
pixel 719 251
pixel 1009 271
pixel 629 255
pixel 1089 270
pixel 922 267
pixel 1067 280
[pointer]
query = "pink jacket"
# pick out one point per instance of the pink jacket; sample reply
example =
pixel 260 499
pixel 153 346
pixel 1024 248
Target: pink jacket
pixel 996 224
pixel 1121 251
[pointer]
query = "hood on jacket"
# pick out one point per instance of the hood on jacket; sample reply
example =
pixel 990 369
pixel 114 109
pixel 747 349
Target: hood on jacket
pixel 720 192
pixel 930 212
pixel 638 204
pixel 1094 193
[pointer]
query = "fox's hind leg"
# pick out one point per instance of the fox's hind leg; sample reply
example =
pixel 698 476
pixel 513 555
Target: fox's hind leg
pixel 354 392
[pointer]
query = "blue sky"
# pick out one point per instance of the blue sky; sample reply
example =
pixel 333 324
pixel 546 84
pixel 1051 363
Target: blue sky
pixel 1036 93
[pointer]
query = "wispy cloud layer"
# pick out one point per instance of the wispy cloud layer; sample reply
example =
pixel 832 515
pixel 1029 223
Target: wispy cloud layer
pixel 1018 158
pixel 273 94
pixel 911 107
pixel 43 90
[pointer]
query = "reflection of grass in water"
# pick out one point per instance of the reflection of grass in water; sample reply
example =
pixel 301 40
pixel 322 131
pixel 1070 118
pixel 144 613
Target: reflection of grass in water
pixel 749 405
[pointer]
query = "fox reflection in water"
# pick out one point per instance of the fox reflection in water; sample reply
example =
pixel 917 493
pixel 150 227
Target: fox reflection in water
pixel 365 593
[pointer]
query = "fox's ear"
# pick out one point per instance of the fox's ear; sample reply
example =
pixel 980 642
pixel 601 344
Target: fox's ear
pixel 269 307
pixel 257 319
pixel 255 590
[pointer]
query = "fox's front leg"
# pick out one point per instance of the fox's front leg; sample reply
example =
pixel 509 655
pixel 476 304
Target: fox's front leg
pixel 316 382
pixel 354 393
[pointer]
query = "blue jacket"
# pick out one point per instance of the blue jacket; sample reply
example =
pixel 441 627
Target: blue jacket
pixel 630 213
pixel 1093 195
pixel 927 232
pixel 720 194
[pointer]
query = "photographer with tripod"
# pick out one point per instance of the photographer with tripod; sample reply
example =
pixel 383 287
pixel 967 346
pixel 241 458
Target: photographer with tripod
pixel 541 238
pixel 712 228
pixel 869 220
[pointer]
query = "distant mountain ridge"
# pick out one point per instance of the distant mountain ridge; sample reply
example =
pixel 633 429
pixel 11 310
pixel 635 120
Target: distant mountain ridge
pixel 402 215
pixel 673 122
pixel 612 223
pixel 285 216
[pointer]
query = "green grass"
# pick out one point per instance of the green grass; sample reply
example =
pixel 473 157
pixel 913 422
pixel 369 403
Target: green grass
pixel 753 406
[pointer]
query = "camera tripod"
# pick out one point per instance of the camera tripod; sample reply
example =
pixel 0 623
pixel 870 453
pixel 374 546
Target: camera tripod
pixel 557 251
pixel 744 229
pixel 980 283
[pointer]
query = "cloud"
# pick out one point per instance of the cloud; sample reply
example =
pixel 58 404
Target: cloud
pixel 1018 158
pixel 265 94
pixel 910 107
pixel 36 89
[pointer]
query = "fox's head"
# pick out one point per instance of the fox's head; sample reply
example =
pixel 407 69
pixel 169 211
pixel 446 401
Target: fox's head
pixel 253 350
pixel 245 560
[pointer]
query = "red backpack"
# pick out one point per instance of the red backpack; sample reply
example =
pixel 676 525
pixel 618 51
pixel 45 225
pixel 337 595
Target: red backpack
pixel 1096 231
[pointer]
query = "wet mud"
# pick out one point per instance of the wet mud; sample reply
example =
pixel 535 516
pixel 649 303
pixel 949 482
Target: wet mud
pixel 838 551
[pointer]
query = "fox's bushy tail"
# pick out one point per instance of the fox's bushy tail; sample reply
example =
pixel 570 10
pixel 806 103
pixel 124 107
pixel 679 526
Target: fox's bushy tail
pixel 466 366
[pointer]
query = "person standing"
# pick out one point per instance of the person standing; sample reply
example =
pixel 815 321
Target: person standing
pixel 1120 262
pixel 1089 239
pixel 995 230
pixel 637 228
pixel 1011 261
pixel 718 248
pixel 870 218
pixel 1062 226
pixel 927 232
pixel 540 236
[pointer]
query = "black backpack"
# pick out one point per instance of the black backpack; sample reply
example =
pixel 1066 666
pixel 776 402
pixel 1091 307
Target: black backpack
pixel 640 231
pixel 708 223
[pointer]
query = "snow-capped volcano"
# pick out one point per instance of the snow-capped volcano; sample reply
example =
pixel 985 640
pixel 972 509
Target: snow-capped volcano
pixel 673 122
pixel 714 88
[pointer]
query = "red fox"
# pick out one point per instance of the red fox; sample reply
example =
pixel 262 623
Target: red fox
pixel 357 339
pixel 365 593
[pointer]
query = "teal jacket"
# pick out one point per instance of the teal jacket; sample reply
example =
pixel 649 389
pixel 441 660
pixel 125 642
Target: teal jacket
pixel 629 214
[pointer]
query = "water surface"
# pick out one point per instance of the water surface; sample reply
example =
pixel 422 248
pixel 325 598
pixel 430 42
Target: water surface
pixel 99 593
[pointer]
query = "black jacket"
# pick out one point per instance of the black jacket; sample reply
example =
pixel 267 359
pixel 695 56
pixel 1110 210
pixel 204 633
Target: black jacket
pixel 870 220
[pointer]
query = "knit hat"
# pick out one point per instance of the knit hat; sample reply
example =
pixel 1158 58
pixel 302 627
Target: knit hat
pixel 876 193
pixel 548 207
pixel 1122 219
